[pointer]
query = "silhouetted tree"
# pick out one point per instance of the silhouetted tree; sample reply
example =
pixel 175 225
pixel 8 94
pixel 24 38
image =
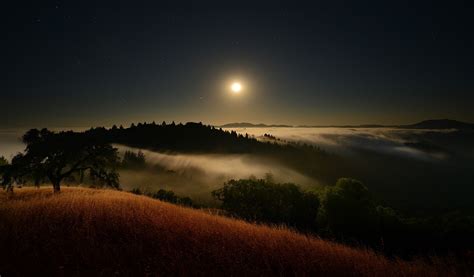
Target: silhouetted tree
pixel 170 196
pixel 136 191
pixel 265 201
pixel 60 155
pixel 3 161
pixel 14 172
pixel 133 160
pixel 165 195
pixel 348 209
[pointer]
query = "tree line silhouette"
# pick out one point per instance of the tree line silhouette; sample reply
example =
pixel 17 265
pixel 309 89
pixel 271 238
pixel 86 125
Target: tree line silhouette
pixel 199 138
pixel 67 154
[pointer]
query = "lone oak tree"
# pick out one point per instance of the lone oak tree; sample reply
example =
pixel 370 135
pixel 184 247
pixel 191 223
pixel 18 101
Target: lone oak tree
pixel 60 155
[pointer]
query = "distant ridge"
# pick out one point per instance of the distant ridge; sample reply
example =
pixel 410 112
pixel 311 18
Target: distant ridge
pixel 439 124
pixel 426 124
pixel 251 125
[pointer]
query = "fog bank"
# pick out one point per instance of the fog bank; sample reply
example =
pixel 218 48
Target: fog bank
pixel 198 174
pixel 393 141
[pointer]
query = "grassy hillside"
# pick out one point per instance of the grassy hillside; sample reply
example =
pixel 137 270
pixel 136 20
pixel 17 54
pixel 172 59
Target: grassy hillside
pixel 104 232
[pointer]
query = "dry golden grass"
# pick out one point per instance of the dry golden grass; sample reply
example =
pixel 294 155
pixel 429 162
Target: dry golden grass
pixel 104 232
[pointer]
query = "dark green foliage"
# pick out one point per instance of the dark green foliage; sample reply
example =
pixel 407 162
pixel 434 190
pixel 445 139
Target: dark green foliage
pixel 58 156
pixel 136 191
pixel 265 201
pixel 132 160
pixel 14 172
pixel 348 210
pixel 171 197
pixel 348 213
pixel 167 196
pixel 3 161
pixel 445 233
pixel 186 201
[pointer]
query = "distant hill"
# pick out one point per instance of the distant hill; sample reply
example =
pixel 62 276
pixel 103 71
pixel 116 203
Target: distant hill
pixel 89 232
pixel 426 124
pixel 439 124
pixel 251 125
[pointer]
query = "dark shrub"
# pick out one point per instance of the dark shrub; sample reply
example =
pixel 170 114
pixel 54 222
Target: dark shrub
pixel 136 191
pixel 265 201
pixel 348 210
pixel 165 195
pixel 171 197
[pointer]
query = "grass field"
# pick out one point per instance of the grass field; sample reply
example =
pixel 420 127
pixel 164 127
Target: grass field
pixel 105 232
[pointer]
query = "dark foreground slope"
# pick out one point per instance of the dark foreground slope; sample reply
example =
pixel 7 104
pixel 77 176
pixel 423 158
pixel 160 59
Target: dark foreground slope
pixel 103 232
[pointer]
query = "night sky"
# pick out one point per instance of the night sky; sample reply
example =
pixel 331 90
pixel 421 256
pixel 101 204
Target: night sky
pixel 93 63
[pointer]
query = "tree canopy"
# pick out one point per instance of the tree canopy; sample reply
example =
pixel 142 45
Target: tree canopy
pixel 348 208
pixel 133 160
pixel 57 156
pixel 266 201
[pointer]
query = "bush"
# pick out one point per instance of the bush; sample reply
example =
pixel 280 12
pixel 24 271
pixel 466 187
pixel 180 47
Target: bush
pixel 136 191
pixel 265 201
pixel 165 195
pixel 348 210
pixel 171 197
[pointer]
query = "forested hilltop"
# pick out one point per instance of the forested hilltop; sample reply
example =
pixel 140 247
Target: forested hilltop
pixel 199 138
pixel 190 138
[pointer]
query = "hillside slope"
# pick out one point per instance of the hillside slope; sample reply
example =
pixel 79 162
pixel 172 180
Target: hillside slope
pixel 104 232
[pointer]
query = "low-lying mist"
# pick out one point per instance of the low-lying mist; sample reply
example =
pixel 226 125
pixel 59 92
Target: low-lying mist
pixel 398 165
pixel 410 143
pixel 411 169
pixel 196 175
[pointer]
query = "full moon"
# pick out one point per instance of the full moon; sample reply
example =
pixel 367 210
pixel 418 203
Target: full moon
pixel 236 87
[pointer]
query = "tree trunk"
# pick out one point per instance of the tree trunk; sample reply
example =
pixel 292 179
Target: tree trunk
pixel 56 186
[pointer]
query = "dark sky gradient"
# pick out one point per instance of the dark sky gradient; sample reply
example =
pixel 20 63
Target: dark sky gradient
pixel 104 62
